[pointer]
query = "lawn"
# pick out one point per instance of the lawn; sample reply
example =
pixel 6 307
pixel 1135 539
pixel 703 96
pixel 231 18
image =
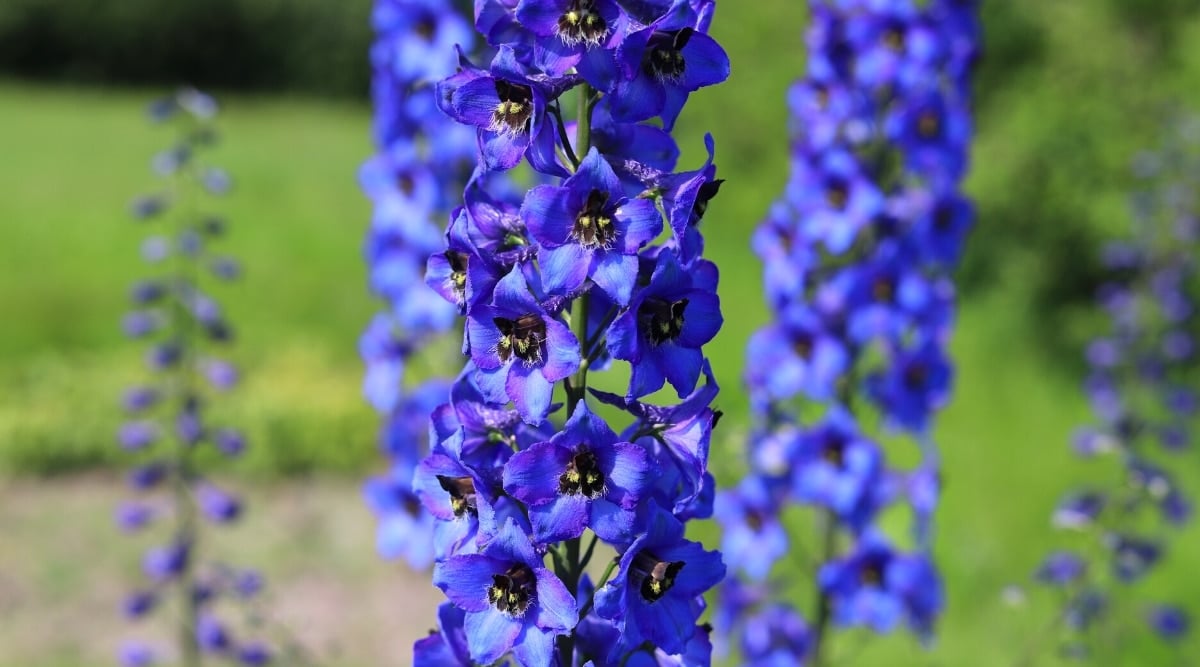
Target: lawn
pixel 73 158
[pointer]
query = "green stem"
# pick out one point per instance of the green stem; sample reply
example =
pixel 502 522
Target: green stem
pixel 576 385
pixel 821 612
pixel 612 565
pixel 185 509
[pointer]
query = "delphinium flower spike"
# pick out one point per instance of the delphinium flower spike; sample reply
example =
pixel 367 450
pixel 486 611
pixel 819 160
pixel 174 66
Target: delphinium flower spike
pixel 1143 389
pixel 422 159
pixel 858 253
pixel 530 472
pixel 169 426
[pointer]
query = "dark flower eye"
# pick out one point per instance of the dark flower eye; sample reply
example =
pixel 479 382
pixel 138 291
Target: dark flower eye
pixel 523 338
pixel 515 109
pixel 513 591
pixel 582 23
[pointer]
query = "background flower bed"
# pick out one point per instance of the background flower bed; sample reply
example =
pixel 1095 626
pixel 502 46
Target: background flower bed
pixel 1059 118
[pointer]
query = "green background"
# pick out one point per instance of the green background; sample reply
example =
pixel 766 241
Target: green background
pixel 1067 93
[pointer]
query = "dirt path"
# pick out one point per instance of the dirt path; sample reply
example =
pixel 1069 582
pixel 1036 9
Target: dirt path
pixel 64 569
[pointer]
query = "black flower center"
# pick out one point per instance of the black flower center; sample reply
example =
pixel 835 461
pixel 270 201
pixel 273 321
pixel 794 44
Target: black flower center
pixel 883 289
pixel 893 38
pixel 705 195
pixel 871 573
pixel 515 109
pixel 802 345
pixel 458 271
pixel 412 506
pixel 513 591
pixel 522 337
pixel 427 28
pixel 658 576
pixel 406 184
pixel 462 494
pixel 943 218
pixel 582 476
pixel 664 54
pixel 663 320
pixel 594 224
pixel 837 194
pixel 581 23
pixel 834 450
pixel 754 519
pixel 929 125
pixel 915 376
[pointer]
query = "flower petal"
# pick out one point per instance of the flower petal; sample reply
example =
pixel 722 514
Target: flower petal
pixel 531 476
pixel 491 634
pixel 466 579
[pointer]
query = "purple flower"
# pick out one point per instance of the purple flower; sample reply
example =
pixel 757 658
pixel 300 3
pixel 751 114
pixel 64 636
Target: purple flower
pixel 519 348
pixel 137 435
pixel 879 587
pixel 139 603
pixel 581 477
pixel 164 563
pixel 1169 622
pixel 775 636
pixel 509 109
pixel 659 579
pixel 137 654
pixel 217 505
pixel 753 537
pixel 588 229
pixel 211 635
pixel 664 62
pixel 133 516
pixel 405 531
pixel 665 326
pixel 574 33
pixel 512 602
pixel 1061 568
pixel 447 647
pixel 836 467
pixel 254 653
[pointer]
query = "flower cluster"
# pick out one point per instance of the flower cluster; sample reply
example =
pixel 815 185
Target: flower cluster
pixel 858 255
pixel 168 427
pixel 1143 392
pixel 576 275
pixel 421 157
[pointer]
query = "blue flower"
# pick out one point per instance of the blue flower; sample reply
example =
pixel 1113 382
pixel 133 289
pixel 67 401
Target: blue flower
pixel 1061 568
pixel 665 326
pixel 662 63
pixel 509 110
pixel 404 530
pixel 877 587
pixel 519 348
pixel 512 602
pixel 775 636
pixel 1169 622
pixel 753 537
pixel 574 33
pixel 1132 556
pixel 581 477
pixel 653 596
pixel 446 647
pixel 588 229
pixel 678 437
pixel 796 356
pixel 136 654
pixel 836 467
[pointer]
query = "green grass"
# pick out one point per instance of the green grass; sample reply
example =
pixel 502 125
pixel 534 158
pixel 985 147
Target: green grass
pixel 1050 160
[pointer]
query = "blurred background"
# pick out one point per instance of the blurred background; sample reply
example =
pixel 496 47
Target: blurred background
pixel 1068 92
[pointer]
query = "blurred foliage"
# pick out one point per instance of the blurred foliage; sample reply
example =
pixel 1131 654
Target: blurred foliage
pixel 315 46
pixel 1067 93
